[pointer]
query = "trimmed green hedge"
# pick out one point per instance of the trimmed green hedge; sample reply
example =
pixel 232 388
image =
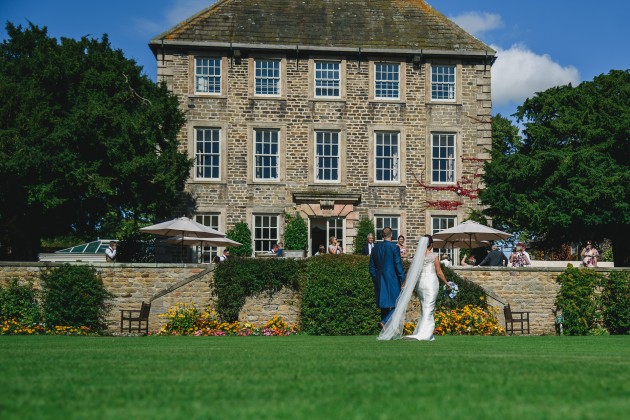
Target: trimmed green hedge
pixel 239 278
pixel 338 296
pixel 74 295
pixel 616 302
pixel 18 302
pixel 585 311
pixel 337 290
pixel 577 300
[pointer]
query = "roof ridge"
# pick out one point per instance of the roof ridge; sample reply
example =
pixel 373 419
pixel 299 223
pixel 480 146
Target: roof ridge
pixel 176 27
pixel 365 24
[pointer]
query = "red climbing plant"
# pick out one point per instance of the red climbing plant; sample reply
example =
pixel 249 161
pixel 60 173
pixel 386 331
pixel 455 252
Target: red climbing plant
pixel 463 187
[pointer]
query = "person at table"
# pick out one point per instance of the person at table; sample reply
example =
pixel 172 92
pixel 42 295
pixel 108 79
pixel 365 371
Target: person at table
pixel 495 258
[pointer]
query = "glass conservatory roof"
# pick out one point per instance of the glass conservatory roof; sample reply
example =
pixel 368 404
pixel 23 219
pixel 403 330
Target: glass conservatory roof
pixel 95 247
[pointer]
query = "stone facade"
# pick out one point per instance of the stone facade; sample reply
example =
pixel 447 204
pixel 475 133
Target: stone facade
pixel 525 289
pixel 356 115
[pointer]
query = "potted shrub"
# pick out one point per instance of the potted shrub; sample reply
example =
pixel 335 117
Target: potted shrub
pixel 366 226
pixel 241 233
pixel 295 236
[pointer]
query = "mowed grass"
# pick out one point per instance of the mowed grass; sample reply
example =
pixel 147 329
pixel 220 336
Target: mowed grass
pixel 304 377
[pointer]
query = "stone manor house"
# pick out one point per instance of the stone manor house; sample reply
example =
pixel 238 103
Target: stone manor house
pixel 334 109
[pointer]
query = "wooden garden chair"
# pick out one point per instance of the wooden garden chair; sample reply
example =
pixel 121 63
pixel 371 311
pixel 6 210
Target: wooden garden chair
pixel 137 320
pixel 516 321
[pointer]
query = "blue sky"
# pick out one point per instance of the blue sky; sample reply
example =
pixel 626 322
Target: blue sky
pixel 540 44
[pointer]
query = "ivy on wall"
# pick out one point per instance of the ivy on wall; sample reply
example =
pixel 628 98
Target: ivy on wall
pixel 337 293
pixel 239 278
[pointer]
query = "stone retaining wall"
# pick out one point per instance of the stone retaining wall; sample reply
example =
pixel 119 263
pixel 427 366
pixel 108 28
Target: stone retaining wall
pixel 526 289
pixel 132 284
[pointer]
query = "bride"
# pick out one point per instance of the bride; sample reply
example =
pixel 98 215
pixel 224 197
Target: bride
pixel 422 276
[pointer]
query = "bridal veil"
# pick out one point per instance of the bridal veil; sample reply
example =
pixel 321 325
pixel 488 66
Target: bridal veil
pixel 394 328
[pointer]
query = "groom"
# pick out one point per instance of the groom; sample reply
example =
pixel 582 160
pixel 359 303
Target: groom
pixel 387 274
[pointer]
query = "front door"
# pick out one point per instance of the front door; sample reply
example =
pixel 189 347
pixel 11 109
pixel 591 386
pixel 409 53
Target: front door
pixel 322 228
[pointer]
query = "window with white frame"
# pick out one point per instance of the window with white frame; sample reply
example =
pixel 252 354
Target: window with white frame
pixel 205 254
pixel 266 153
pixel 442 158
pixel 386 81
pixel 208 75
pixel 327 79
pixel 207 153
pixel 439 223
pixel 386 156
pixel 335 228
pixel 267 77
pixel 327 148
pixel 383 221
pixel 443 83
pixel 266 233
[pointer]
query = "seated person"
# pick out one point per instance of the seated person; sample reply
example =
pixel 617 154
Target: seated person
pixel 322 250
pixel 279 249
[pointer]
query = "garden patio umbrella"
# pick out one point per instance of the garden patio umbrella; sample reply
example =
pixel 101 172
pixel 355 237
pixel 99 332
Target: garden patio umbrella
pixel 192 241
pixel 470 232
pixel 188 240
pixel 183 226
pixel 457 243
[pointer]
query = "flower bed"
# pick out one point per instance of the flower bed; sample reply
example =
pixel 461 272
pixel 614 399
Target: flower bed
pixel 14 327
pixel 186 319
pixel 469 320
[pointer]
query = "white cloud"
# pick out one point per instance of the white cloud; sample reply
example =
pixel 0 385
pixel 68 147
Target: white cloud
pixel 519 73
pixel 477 23
pixel 183 9
pixel 147 28
pixel 178 11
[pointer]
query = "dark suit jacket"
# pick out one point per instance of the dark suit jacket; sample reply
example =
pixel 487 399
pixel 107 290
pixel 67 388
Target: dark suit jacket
pixel 387 273
pixel 495 258
pixel 366 250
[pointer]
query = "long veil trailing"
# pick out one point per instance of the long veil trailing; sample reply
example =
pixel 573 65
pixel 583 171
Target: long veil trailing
pixel 394 328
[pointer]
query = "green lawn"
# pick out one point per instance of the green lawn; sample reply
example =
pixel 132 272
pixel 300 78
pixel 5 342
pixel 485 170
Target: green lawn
pixel 314 377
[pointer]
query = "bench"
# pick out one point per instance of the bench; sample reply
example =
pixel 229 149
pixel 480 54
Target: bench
pixel 515 321
pixel 137 320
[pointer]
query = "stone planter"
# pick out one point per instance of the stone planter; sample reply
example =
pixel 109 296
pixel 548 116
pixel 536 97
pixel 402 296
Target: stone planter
pixel 294 253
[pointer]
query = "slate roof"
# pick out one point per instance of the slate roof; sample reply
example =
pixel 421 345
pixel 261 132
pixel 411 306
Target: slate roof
pixel 377 25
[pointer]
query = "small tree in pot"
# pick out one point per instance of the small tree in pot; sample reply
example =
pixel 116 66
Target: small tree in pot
pixel 241 233
pixel 295 235
pixel 366 226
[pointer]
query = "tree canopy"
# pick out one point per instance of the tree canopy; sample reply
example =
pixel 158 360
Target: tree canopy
pixel 567 178
pixel 86 140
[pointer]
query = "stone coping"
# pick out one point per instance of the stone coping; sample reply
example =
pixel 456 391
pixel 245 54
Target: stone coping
pixel 203 266
pixel 101 264
pixel 534 269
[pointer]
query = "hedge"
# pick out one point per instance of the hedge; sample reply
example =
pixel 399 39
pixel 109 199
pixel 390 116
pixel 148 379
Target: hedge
pixel 337 291
pixel 338 296
pixel 239 278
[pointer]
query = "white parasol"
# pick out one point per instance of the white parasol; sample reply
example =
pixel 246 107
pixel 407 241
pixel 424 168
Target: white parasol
pixel 469 234
pixel 183 226
pixel 439 243
pixel 187 240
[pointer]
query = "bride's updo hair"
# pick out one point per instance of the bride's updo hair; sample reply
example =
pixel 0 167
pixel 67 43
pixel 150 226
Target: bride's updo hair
pixel 430 244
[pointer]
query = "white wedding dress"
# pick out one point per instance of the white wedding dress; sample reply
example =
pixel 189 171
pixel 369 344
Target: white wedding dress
pixel 427 289
pixel 423 279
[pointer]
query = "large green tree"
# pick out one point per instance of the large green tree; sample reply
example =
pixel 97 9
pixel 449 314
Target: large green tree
pixel 567 178
pixel 85 139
